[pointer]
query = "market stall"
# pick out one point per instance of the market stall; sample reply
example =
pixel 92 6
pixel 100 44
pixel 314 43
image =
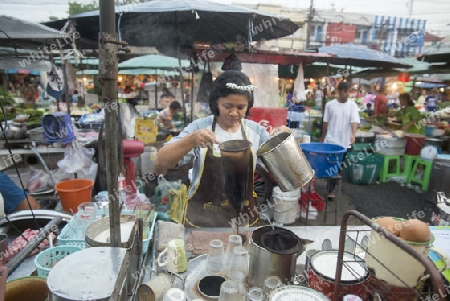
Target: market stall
pixel 320 263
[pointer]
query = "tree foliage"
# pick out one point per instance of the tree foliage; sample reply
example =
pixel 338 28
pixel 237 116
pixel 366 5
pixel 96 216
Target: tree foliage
pixel 76 8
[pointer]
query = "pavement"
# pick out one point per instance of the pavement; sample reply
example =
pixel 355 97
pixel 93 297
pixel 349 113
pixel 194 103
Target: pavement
pixel 380 199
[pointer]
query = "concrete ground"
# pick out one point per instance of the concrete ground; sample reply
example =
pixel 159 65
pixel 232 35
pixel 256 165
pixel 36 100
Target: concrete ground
pixel 379 199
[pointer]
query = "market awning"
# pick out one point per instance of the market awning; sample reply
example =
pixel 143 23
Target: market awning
pixel 361 56
pixel 438 55
pixel 267 57
pixel 17 33
pixel 153 61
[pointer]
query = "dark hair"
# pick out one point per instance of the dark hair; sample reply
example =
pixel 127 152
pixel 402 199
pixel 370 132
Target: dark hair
pixel 369 105
pixel 220 89
pixel 343 86
pixel 407 97
pixel 175 105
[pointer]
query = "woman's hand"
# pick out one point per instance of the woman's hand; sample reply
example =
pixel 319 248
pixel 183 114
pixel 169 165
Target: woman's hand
pixel 204 138
pixel 280 129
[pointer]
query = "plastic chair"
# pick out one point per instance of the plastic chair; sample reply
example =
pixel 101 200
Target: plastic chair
pixel 386 171
pixel 425 167
pixel 409 163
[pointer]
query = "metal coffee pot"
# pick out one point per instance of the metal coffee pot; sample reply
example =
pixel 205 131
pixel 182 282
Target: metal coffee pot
pixel 273 252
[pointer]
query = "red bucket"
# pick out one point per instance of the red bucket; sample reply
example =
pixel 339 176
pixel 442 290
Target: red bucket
pixel 414 144
pixel 269 117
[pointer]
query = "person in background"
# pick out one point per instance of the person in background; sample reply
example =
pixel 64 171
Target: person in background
pixel 29 91
pixel 368 98
pixel 166 98
pixel 230 100
pixel 127 90
pixel 75 96
pixel 14 198
pixel 380 103
pixel 340 122
pixel 166 115
pixel 166 93
pixel 318 96
pixel 431 101
pixel 369 109
pixel 421 98
pixel 409 115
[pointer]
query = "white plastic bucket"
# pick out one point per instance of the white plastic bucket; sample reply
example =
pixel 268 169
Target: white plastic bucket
pixel 284 201
pixel 288 196
pixel 285 217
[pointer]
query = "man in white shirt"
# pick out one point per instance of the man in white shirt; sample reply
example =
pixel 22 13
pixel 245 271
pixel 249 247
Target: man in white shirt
pixel 340 122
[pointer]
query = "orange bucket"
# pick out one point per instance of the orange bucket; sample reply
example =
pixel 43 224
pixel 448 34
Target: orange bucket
pixel 74 192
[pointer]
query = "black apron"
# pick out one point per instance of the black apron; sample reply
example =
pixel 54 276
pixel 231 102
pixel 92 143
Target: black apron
pixel 209 206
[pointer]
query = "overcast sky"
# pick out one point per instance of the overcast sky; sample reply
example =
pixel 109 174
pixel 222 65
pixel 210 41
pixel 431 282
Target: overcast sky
pixel 436 12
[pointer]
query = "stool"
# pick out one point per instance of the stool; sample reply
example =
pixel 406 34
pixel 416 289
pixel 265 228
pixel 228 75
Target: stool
pixel 385 172
pixel 426 166
pixel 409 163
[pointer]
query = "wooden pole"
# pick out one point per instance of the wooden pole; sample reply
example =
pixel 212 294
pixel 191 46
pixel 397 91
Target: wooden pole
pixel 107 72
pixel 181 85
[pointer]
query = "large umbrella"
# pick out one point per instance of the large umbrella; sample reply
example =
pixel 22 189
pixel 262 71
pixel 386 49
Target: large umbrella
pixel 153 61
pixel 17 33
pixel 418 67
pixel 439 55
pixel 167 24
pixel 361 56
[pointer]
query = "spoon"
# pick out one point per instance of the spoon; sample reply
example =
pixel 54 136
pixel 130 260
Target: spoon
pixel 265 216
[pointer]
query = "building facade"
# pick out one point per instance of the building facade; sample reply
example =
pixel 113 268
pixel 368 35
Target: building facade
pixel 396 36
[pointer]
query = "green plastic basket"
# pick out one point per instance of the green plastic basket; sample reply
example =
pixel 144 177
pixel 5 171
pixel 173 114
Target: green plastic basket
pixel 363 168
pixel 47 259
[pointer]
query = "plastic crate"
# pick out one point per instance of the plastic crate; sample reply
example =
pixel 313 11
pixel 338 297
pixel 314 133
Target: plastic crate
pixel 363 168
pixel 362 147
pixel 315 200
pixel 47 259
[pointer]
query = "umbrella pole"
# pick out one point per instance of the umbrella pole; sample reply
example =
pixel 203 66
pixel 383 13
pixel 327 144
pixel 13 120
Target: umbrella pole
pixel 181 85
pixel 156 90
pixel 107 71
pixel 191 100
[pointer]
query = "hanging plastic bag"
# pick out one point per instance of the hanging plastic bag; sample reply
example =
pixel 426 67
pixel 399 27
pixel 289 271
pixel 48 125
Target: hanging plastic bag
pixel 177 203
pixel 232 63
pixel 78 159
pixel 299 85
pixel 55 86
pixel 205 85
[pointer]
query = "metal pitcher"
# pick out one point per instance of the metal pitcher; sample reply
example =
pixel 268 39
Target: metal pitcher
pixel 286 162
pixel 235 157
pixel 265 262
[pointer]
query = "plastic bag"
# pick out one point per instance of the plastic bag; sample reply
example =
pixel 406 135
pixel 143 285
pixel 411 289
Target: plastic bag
pixel 41 180
pixel 429 153
pixel 78 159
pixel 162 195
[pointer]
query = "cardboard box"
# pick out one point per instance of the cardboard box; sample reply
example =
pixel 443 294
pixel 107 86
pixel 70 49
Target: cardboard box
pixel 146 130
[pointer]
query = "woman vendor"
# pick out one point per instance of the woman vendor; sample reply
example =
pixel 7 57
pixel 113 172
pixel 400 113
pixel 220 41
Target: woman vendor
pixel 230 100
pixel 410 116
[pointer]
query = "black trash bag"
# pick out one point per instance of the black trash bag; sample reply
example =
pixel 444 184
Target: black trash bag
pixel 232 63
pixel 205 85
